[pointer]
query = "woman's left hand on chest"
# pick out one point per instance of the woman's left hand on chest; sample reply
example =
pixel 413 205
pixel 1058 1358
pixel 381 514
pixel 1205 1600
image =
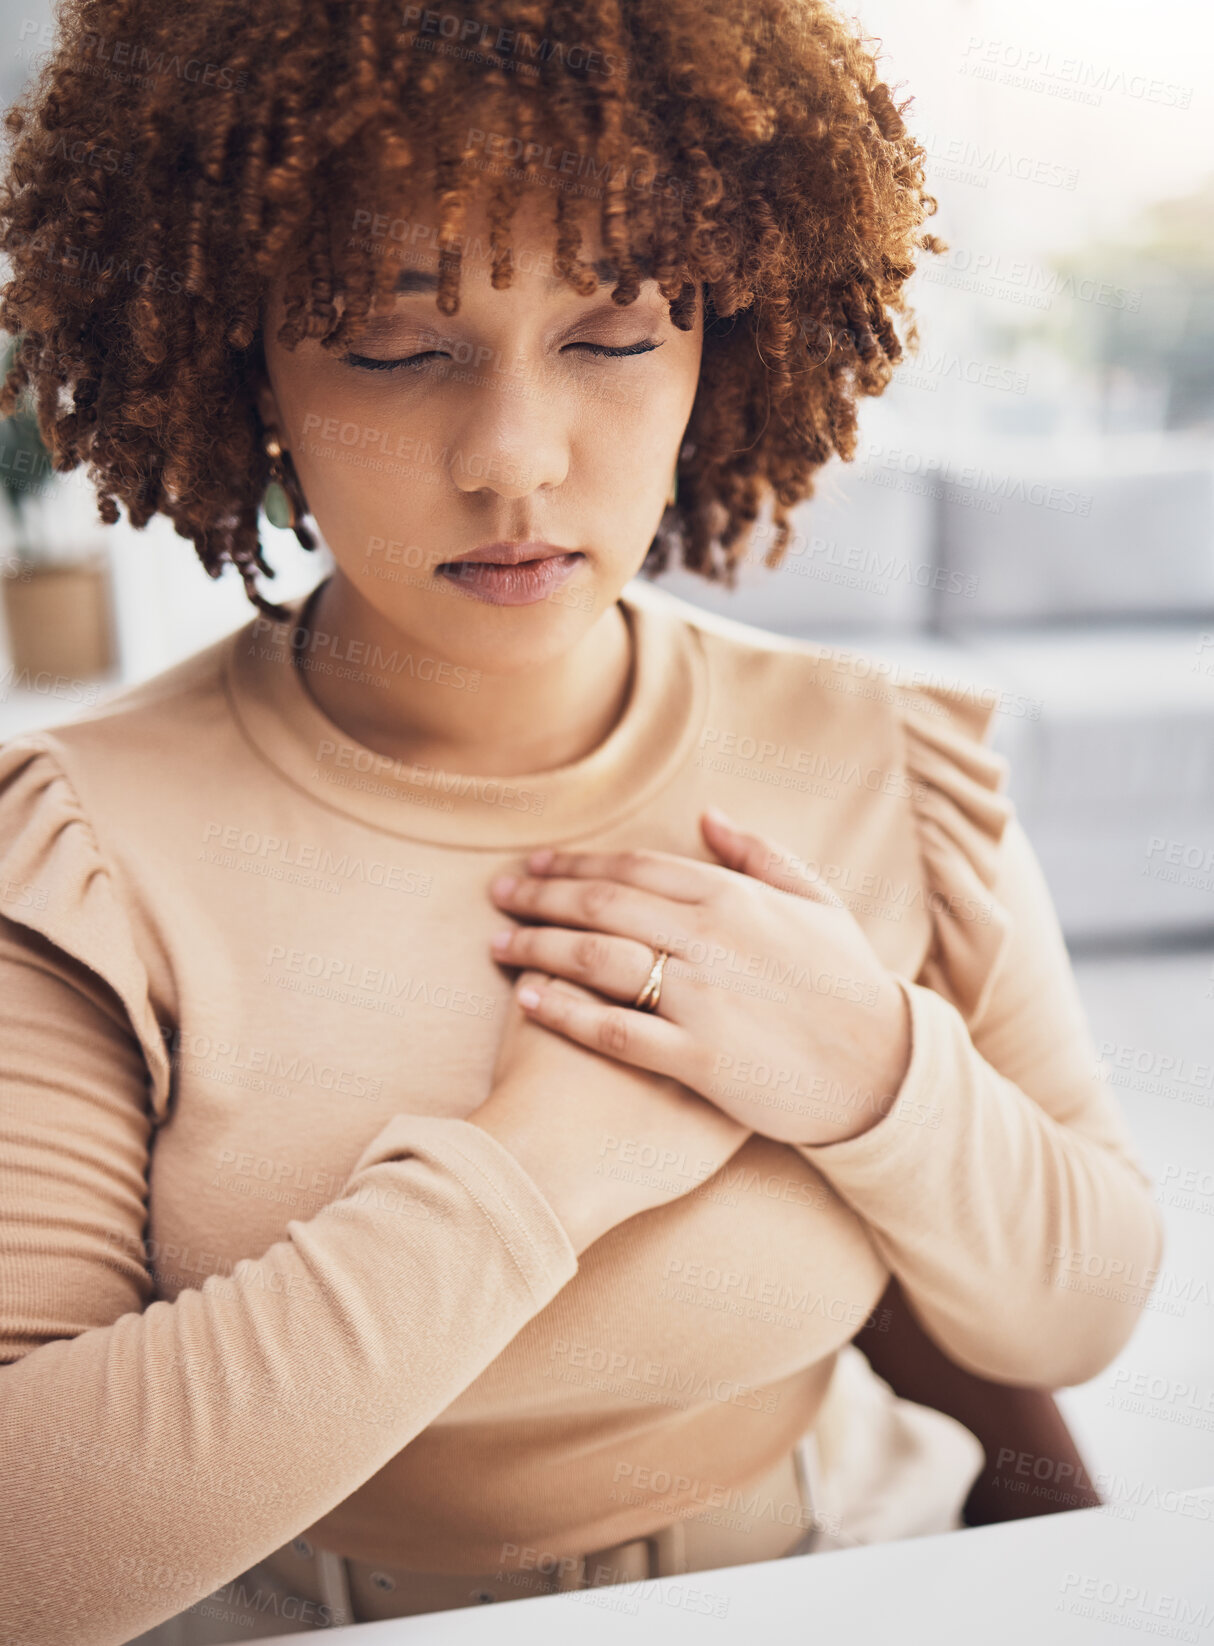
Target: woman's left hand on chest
pixel 773 1004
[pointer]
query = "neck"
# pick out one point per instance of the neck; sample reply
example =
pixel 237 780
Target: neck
pixel 531 721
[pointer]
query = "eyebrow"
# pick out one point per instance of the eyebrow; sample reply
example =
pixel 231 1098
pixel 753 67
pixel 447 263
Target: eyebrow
pixel 413 282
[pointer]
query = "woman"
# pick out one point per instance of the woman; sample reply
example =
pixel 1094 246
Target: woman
pixel 394 1219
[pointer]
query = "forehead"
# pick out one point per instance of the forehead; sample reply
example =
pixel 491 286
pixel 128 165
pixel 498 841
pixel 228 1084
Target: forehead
pixel 410 237
pixel 415 241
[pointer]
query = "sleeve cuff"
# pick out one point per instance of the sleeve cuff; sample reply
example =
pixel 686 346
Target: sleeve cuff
pixel 893 1145
pixel 507 1196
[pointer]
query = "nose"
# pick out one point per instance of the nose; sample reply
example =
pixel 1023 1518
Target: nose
pixel 513 438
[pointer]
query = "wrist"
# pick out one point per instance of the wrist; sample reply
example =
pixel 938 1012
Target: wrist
pixel 900 1030
pixel 891 1075
pixel 533 1149
pixel 887 1077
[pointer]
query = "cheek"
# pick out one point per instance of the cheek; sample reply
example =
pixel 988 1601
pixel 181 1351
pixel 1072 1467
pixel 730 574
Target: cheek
pixel 639 437
pixel 364 470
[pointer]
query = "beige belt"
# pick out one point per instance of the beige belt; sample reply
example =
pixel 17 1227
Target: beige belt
pixel 354 1591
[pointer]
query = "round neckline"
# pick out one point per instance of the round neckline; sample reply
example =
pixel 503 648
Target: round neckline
pixel 652 737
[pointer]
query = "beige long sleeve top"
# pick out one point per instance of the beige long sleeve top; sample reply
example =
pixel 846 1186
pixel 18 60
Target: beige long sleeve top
pixel 260 1277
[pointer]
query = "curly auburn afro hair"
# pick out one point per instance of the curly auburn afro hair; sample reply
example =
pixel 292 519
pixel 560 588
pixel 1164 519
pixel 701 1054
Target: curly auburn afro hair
pixel 170 159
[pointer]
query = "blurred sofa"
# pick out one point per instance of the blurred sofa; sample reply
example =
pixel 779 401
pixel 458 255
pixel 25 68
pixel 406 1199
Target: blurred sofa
pixel 1083 598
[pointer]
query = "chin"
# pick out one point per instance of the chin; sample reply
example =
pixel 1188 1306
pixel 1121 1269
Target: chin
pixel 510 640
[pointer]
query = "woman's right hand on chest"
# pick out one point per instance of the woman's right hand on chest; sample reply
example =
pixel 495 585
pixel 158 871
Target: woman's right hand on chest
pixel 602 1141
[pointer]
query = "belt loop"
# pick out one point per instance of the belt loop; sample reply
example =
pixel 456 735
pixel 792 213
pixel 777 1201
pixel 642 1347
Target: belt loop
pixel 809 1477
pixel 571 1574
pixel 334 1583
pixel 825 1530
pixel 668 1550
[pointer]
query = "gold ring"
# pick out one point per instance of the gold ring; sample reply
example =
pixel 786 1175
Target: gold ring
pixel 651 992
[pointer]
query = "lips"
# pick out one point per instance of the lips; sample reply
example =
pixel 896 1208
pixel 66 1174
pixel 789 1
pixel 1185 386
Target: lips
pixel 503 553
pixel 514 581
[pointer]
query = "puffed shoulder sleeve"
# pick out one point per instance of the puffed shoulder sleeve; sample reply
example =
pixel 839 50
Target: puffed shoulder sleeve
pixel 54 882
pixel 1001 1185
pixel 961 812
pixel 150 1450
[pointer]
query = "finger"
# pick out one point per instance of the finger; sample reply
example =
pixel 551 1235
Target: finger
pixel 614 966
pixel 764 859
pixel 682 879
pixel 598 905
pixel 641 1039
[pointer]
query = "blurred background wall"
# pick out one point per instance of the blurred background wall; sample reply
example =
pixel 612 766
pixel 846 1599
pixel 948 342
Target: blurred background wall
pixel 1032 511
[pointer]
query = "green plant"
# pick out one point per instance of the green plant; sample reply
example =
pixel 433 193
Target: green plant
pixel 25 463
pixel 1142 308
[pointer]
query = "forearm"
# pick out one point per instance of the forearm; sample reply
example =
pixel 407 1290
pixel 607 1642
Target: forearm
pixel 577 1195
pixel 149 1461
pixel 1026 1247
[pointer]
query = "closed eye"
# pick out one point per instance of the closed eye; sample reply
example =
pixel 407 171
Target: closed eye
pixel 365 362
pixel 628 348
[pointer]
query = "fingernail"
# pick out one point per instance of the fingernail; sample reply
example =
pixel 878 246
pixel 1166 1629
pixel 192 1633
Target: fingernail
pixel 503 885
pixel 501 940
pixel 541 859
pixel 529 996
pixel 717 815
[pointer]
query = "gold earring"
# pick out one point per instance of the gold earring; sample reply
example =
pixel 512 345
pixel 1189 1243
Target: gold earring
pixel 672 495
pixel 277 502
pixel 283 499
